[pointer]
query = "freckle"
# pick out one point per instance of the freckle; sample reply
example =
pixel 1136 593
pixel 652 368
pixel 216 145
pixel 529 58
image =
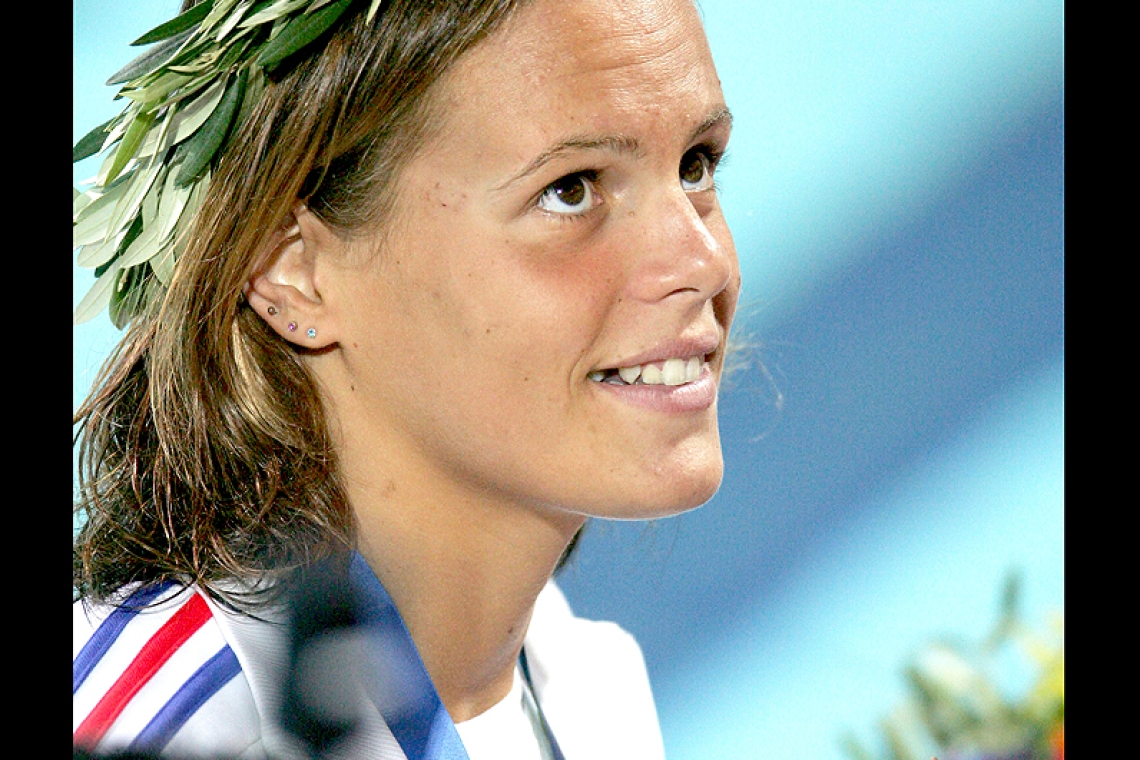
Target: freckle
pixel 488 330
pixel 632 214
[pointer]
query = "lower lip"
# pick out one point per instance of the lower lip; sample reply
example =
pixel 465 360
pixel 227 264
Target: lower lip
pixel 696 396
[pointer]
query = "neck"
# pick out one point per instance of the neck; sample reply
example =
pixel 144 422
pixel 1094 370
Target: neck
pixel 464 569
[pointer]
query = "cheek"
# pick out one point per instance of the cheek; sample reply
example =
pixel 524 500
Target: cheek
pixel 494 307
pixel 556 298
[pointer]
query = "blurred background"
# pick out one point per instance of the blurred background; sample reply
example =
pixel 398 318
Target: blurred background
pixel 894 432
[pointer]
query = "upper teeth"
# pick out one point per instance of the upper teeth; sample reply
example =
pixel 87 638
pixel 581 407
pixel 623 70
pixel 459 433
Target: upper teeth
pixel 669 372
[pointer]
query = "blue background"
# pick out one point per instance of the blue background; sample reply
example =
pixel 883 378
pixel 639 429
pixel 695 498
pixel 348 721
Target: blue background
pixel 895 185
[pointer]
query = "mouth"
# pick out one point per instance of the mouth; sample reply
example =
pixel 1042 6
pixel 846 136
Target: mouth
pixel 672 371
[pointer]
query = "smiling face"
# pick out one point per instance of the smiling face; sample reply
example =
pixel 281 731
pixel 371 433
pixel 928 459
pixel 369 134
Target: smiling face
pixel 558 236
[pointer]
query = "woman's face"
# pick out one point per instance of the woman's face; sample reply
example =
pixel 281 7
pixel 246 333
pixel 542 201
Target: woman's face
pixel 560 225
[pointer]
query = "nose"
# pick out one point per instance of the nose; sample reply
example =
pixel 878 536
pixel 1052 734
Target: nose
pixel 688 253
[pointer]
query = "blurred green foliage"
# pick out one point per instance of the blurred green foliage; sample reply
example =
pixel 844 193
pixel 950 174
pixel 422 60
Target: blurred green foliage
pixel 960 704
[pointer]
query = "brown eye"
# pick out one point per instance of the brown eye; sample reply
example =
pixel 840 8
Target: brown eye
pixel 696 171
pixel 570 190
pixel 572 194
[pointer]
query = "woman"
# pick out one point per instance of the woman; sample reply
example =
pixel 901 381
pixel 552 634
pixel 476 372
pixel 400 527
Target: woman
pixel 458 281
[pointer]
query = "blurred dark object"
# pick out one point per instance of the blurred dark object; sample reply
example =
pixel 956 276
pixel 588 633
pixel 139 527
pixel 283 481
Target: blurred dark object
pixel 319 702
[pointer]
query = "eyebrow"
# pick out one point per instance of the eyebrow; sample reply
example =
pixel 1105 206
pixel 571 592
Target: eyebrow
pixel 616 143
pixel 721 116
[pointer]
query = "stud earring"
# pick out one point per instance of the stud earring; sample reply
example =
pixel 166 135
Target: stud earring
pixel 272 311
pixel 292 327
pixel 311 332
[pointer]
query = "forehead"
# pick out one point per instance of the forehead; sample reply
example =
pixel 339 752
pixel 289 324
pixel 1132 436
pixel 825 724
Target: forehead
pixel 556 37
pixel 558 66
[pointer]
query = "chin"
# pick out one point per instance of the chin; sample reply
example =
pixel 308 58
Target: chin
pixel 668 495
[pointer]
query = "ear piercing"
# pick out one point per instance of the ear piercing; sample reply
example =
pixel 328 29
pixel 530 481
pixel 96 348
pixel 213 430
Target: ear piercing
pixel 311 332
pixel 272 310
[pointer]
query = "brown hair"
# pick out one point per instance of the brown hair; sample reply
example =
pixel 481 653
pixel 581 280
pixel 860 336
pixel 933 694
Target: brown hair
pixel 203 450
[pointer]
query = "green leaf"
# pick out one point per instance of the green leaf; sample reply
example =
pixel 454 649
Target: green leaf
pixel 188 116
pixel 1011 595
pixel 217 14
pixel 854 749
pixel 254 87
pixel 97 254
pixel 132 139
pixel 190 50
pixel 316 5
pixel 130 237
pixel 170 208
pixel 163 265
pixel 91 221
pixel 127 209
pixel 271 12
pixel 143 248
pixel 114 135
pixel 204 62
pixel 157 89
pixel 98 297
pixel 232 20
pixel 149 208
pixel 300 32
pixel 158 225
pixel 79 201
pixel 150 60
pixel 196 86
pixel 128 295
pixel 99 270
pixel 91 142
pixel 177 24
pixel 200 149
pixel 179 236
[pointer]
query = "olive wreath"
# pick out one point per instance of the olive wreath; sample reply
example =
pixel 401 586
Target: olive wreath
pixel 186 95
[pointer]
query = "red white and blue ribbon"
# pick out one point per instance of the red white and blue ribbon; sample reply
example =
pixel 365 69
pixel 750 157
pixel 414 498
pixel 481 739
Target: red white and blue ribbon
pixel 215 673
pixel 397 682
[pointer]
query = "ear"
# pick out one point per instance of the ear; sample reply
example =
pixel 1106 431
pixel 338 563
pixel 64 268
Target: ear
pixel 283 288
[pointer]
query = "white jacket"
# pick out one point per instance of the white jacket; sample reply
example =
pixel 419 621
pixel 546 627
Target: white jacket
pixel 191 679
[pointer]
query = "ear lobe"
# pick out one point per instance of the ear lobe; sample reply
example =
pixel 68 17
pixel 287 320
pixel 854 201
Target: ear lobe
pixel 283 286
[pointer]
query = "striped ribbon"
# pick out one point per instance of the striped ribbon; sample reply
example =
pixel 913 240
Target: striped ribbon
pixel 399 684
pixel 196 690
